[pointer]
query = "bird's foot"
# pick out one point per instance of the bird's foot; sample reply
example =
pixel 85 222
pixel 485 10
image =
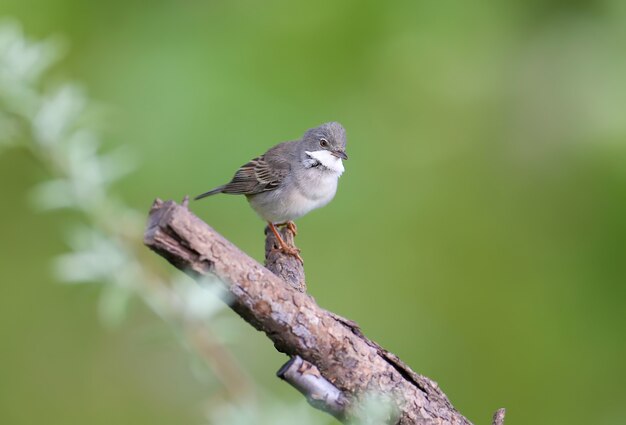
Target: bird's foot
pixel 291 250
pixel 291 226
pixel 283 246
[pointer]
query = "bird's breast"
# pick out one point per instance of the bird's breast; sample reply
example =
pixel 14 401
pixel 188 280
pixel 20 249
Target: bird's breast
pixel 312 189
pixel 318 185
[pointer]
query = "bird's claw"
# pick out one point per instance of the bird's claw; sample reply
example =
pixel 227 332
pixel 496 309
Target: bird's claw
pixel 291 250
pixel 291 226
pixel 284 247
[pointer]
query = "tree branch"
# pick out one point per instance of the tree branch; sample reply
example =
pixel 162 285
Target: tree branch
pixel 276 304
pixel 320 393
pixel 287 267
pixel 498 417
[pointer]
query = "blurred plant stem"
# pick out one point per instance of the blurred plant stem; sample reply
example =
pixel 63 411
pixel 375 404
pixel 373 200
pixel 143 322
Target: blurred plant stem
pixel 51 128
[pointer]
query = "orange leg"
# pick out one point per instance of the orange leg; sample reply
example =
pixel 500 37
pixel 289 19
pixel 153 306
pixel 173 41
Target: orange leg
pixel 289 250
pixel 291 226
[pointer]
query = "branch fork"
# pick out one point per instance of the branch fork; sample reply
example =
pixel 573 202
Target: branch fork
pixel 331 362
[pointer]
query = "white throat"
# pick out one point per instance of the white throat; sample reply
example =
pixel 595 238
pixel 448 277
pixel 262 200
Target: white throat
pixel 328 160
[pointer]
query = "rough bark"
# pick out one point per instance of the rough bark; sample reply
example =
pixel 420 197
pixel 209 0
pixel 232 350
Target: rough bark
pixel 287 267
pixel 498 417
pixel 320 393
pixel 278 306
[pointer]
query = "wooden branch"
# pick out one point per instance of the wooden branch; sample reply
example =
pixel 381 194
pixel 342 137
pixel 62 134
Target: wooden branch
pixel 498 417
pixel 287 267
pixel 278 306
pixel 320 393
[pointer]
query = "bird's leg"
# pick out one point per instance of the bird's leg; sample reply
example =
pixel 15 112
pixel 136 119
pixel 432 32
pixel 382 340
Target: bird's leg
pixel 284 247
pixel 291 226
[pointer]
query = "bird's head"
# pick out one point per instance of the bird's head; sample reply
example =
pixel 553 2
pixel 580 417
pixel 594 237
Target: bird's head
pixel 326 143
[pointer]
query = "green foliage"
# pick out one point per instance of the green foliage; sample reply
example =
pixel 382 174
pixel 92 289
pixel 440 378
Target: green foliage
pixel 106 248
pixel 478 231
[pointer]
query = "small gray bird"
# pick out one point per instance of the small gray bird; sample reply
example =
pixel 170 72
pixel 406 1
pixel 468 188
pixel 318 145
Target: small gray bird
pixel 292 178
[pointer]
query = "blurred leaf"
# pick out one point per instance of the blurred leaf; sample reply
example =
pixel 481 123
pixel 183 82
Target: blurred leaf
pixel 9 130
pixel 375 409
pixel 96 258
pixel 58 113
pixel 117 164
pixel 269 412
pixel 113 305
pixel 22 60
pixel 53 194
pixel 200 301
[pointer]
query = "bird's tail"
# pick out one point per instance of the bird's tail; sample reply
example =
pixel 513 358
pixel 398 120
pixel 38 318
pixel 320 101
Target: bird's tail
pixel 219 189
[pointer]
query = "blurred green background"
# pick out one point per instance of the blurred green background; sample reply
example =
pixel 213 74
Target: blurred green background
pixel 478 232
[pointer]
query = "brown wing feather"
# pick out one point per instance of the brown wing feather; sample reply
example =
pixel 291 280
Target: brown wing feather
pixel 259 175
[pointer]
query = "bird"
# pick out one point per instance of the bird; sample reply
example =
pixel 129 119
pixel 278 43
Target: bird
pixel 291 179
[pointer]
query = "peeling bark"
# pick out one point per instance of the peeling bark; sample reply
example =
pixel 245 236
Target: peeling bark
pixel 277 304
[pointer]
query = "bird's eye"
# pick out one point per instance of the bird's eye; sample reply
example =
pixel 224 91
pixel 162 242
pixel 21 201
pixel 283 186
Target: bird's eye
pixel 324 143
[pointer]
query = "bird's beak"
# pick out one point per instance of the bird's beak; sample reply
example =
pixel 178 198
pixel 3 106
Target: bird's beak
pixel 340 154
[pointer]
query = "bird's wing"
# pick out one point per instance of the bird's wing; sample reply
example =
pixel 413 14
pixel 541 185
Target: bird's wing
pixel 262 174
